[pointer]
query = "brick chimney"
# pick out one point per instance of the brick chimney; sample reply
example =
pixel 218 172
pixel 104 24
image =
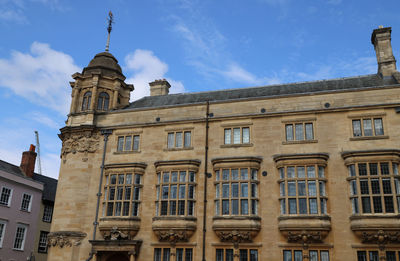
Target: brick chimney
pixel 28 161
pixel 159 87
pixel 381 39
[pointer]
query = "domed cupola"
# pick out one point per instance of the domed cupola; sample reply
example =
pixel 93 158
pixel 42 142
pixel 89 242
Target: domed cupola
pixel 103 63
pixel 98 89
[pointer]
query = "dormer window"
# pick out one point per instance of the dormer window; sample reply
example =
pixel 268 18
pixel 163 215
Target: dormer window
pixel 87 98
pixel 103 101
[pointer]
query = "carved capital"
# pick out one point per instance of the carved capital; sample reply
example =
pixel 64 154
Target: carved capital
pixel 65 238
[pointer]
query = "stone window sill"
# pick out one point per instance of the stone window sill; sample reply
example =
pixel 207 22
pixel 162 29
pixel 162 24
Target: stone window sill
pixel 237 145
pixel 298 142
pixel 126 152
pixel 369 138
pixel 178 149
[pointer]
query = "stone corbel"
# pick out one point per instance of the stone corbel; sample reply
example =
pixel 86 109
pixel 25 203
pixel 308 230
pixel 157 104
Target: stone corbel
pixel 305 237
pixel 65 238
pixel 236 236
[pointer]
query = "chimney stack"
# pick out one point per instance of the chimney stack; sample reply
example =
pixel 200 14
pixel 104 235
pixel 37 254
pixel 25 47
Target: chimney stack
pixel 381 39
pixel 28 161
pixel 159 87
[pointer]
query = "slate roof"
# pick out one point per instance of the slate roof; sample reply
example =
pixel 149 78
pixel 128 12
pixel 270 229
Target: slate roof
pixel 50 184
pixel 340 84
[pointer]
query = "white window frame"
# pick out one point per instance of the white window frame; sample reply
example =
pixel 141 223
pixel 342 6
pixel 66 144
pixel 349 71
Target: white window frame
pixel 2 232
pixel 183 142
pixel 47 217
pixel 9 198
pixel 25 227
pixel 229 135
pixel 132 147
pixel 30 202
pixel 41 242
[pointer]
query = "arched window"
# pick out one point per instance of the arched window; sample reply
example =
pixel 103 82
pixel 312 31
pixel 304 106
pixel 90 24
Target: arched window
pixel 87 97
pixel 103 101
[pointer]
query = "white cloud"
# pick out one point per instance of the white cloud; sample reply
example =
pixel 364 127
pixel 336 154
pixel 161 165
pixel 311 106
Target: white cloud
pixel 40 76
pixel 45 120
pixel 334 2
pixel 238 74
pixel 145 68
pixel 11 15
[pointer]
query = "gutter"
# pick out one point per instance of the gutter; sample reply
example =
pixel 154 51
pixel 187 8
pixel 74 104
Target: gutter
pixel 205 184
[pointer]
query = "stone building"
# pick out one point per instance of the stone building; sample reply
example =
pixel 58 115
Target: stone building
pixel 302 171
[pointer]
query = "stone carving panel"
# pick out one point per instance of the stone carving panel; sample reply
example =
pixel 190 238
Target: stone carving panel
pixel 84 142
pixel 381 237
pixel 65 239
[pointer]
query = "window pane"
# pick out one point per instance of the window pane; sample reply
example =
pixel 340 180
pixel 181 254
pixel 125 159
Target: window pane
pixel 244 192
pixel 387 187
pixel 303 206
pixel 235 174
pixel 378 126
pixel 225 207
pixel 292 188
pixel 225 174
pixel 361 256
pixel 321 172
pixel 171 140
pixel 298 255
pixel 395 169
pixel 188 137
pixel 179 254
pixel 227 136
pixel 225 190
pixel 182 191
pixel 236 136
pixel 253 190
pixel 178 139
pixel 301 186
pixel 181 207
pixel 324 255
pixel 352 170
pixel 364 186
pixel 254 207
pixel 390 256
pixel 243 254
pixel 229 255
pixel 299 131
pixel 313 206
pixel 389 206
pixel 367 127
pixel 166 177
pixel 356 128
pixel 355 205
pixel 166 254
pixel 323 206
pixel 373 168
pixel 188 254
pixel 375 186
pixel 253 255
pixel 353 187
pixel 283 206
pixel 173 193
pixel 287 255
pixel 244 205
pixel 182 176
pixel 311 172
pixel 165 190
pixel 292 206
pixel 385 168
pixel 290 172
pixel 313 255
pixel 282 188
pixel 136 139
pixel 220 255
pixel 235 190
pixel 373 256
pixel 120 146
pixel 128 143
pixel 235 207
pixel 246 135
pixel 362 169
pixel 282 173
pixel 312 191
pixel 377 204
pixel 301 172
pixel 309 131
pixel 366 204
pixel 322 188
pixel 289 132
pixel 217 191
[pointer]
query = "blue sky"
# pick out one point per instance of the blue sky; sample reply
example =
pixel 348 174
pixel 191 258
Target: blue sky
pixel 197 45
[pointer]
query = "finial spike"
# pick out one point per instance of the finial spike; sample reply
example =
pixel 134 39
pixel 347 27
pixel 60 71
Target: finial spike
pixel 109 28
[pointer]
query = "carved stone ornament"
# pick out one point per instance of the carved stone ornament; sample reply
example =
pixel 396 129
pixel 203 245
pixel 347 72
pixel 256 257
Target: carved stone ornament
pixel 84 142
pixel 235 236
pixel 115 234
pixel 173 236
pixel 65 238
pixel 305 237
pixel 381 237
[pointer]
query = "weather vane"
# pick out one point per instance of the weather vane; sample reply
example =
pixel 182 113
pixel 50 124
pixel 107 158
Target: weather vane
pixel 109 28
